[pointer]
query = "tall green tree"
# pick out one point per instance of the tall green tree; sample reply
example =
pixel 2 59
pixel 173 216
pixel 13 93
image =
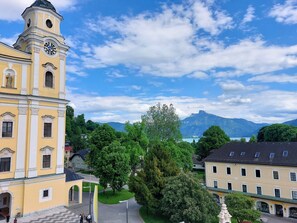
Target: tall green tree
pixel 277 133
pixel 112 166
pixel 158 165
pixel 213 138
pixel 181 153
pixel 184 200
pixel 101 137
pixel 162 123
pixel 241 207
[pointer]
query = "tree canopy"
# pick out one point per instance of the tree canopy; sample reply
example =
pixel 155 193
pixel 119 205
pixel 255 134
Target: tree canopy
pixel 158 165
pixel 184 199
pixel 162 123
pixel 213 138
pixel 241 207
pixel 112 166
pixel 277 133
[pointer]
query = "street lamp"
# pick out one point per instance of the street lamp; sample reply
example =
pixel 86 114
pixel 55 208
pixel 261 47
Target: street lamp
pixel 127 207
pixel 90 200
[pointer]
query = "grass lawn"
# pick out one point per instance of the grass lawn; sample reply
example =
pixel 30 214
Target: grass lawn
pixel 150 218
pixel 109 198
pixel 86 187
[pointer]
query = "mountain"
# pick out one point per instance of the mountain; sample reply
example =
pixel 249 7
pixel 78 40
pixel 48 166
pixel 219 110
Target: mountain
pixel 292 122
pixel 120 127
pixel 196 124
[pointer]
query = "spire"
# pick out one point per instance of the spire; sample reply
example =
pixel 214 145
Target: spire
pixel 224 215
pixel 43 4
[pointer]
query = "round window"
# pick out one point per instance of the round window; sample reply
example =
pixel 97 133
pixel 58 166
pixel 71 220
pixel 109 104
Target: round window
pixel 49 23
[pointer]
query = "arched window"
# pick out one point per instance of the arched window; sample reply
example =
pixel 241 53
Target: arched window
pixel 49 79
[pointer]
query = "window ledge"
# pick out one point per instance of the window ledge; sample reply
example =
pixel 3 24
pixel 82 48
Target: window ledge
pixel 13 88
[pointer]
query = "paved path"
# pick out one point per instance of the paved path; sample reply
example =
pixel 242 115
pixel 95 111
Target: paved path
pixel 274 219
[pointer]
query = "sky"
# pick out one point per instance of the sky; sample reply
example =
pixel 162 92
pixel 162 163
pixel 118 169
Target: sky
pixel 236 59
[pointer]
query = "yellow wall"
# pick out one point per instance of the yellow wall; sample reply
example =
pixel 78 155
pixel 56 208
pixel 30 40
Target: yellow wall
pixel 266 180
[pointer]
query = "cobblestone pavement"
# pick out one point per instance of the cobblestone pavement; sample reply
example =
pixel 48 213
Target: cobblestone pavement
pixel 56 215
pixel 107 213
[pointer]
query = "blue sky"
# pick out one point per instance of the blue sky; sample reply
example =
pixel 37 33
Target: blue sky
pixel 231 58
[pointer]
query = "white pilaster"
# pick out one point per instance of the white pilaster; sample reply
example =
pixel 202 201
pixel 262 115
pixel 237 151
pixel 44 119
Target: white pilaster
pixel 21 142
pixel 61 141
pixel 62 78
pixel 33 143
pixel 24 79
pixel 36 71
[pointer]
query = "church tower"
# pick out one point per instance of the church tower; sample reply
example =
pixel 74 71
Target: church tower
pixel 32 116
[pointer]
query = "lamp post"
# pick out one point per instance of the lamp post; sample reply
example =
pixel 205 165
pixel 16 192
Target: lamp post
pixel 90 200
pixel 127 207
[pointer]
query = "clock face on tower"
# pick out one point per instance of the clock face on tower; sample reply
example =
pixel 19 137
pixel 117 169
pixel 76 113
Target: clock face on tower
pixel 50 48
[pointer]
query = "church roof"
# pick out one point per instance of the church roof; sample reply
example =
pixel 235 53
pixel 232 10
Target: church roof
pixel 43 4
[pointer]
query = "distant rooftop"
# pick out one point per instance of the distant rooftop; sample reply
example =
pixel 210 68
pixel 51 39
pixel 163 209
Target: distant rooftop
pixel 263 153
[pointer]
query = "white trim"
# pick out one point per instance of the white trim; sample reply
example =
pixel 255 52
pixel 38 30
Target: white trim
pixel 62 79
pixel 21 144
pixel 44 199
pixel 7 117
pixel 36 72
pixel 33 143
pixel 61 144
pixel 24 79
pixel 33 98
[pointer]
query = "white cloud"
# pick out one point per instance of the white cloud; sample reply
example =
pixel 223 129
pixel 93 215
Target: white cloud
pixel 285 13
pixel 198 75
pixel 249 16
pixel 279 78
pixel 210 20
pixel 75 69
pixel 255 106
pixel 136 87
pixel 11 10
pixel 232 85
pixel 169 44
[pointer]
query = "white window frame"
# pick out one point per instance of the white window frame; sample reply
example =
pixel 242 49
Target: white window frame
pixel 49 67
pixel 257 189
pixel 291 178
pixel 7 153
pixel 214 183
pixel 277 174
pixel 7 117
pixel 46 151
pixel 44 199
pixel 277 188
pixel 292 194
pixel 256 172
pixel 245 186
pixel 241 172
pixel 47 119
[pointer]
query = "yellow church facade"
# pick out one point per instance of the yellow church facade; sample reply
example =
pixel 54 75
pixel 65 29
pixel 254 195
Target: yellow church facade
pixel 32 117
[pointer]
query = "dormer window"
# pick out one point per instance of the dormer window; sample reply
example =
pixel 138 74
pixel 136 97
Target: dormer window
pixel 49 79
pixel 271 155
pixel 285 153
pixel 257 154
pixel 231 154
pixel 242 153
